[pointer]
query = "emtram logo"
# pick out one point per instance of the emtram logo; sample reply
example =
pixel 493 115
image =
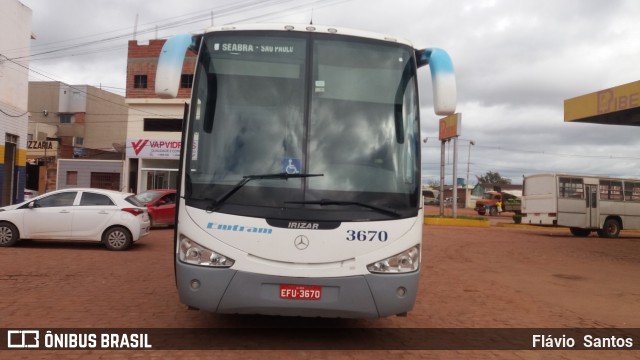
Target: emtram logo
pixel 139 145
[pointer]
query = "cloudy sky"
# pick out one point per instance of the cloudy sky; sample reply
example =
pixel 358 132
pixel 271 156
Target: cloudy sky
pixel 516 62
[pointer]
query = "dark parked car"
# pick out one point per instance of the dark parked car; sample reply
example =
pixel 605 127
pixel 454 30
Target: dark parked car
pixel 431 197
pixel 161 204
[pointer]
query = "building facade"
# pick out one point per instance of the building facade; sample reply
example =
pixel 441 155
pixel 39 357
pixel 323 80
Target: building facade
pixel 74 122
pixel 15 37
pixel 101 174
pixel 154 128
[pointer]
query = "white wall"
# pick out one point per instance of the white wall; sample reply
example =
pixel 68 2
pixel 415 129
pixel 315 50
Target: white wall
pixel 152 108
pixel 15 37
pixel 73 99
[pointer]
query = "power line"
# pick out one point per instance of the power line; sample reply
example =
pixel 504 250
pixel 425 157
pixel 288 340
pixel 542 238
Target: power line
pixel 544 152
pixel 87 93
pixel 191 18
pixel 14 116
pixel 120 33
pixel 170 23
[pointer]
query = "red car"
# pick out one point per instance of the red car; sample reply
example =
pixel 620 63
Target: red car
pixel 161 204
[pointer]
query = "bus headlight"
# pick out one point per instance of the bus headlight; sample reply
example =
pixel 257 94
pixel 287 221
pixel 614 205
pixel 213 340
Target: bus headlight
pixel 196 254
pixel 406 261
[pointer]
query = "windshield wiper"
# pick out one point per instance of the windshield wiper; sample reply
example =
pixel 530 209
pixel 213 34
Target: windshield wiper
pixel 325 202
pixel 245 179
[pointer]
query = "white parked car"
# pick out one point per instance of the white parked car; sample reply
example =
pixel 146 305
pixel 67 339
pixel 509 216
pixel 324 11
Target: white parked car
pixel 115 218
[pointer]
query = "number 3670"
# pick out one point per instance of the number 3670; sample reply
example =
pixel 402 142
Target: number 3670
pixel 367 235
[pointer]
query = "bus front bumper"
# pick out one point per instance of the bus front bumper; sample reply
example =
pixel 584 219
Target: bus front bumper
pixel 229 291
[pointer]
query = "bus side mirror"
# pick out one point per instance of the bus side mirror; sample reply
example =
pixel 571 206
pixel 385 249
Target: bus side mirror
pixel 170 63
pixel 442 77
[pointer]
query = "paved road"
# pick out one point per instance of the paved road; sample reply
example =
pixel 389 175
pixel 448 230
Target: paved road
pixel 472 278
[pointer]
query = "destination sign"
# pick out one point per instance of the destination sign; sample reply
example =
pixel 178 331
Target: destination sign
pixel 257 46
pixel 240 47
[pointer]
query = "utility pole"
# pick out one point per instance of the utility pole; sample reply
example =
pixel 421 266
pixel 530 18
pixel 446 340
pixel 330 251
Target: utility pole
pixel 454 200
pixel 450 128
pixel 442 148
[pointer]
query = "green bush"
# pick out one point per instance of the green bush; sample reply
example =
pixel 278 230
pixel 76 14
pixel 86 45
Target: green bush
pixel 517 218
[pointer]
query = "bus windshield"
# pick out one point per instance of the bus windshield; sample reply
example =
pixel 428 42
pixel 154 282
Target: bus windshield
pixel 342 109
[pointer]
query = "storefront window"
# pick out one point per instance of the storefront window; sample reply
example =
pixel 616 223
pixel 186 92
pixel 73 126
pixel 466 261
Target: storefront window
pixel 158 179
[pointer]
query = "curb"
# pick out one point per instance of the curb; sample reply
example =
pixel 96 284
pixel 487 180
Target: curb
pixel 476 223
pixel 518 226
pixel 456 222
pixel 485 224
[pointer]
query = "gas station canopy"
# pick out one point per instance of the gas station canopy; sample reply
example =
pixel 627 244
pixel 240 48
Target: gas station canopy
pixel 619 105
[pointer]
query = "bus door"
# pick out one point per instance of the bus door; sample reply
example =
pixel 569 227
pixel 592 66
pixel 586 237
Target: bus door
pixel 592 206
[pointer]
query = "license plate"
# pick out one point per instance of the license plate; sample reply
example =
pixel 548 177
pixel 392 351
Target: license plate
pixel 300 292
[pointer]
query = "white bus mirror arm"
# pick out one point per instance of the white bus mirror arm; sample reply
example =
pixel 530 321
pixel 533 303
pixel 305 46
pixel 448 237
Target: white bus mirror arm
pixel 442 77
pixel 170 64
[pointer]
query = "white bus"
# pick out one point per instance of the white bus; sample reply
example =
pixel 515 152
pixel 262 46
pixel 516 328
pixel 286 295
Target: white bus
pixel 582 203
pixel 300 170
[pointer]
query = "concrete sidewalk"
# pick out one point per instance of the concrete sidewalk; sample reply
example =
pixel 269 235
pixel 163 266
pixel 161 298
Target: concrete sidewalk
pixel 466 219
pixel 469 217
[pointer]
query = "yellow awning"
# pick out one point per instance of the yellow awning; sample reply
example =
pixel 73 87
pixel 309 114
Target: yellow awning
pixel 619 105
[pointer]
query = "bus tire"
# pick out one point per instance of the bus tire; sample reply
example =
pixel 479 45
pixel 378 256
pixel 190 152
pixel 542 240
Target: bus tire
pixel 580 232
pixel 610 229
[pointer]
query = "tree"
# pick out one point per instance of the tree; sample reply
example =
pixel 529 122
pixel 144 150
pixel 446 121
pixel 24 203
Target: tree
pixel 493 178
pixel 433 183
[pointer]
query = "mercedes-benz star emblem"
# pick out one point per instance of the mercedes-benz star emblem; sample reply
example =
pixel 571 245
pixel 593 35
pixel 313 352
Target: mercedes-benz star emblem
pixel 301 242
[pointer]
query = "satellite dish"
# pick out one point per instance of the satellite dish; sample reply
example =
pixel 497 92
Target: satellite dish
pixel 118 147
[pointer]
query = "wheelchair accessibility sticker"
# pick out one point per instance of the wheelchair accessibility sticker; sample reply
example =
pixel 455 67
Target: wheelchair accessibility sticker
pixel 291 166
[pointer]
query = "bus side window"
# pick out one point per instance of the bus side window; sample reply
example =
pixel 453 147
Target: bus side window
pixel 632 191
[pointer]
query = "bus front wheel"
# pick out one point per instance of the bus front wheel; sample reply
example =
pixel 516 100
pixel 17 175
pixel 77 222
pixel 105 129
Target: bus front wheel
pixel 611 229
pixel 580 232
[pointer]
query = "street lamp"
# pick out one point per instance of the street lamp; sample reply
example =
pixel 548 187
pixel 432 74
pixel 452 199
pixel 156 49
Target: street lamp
pixel 467 200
